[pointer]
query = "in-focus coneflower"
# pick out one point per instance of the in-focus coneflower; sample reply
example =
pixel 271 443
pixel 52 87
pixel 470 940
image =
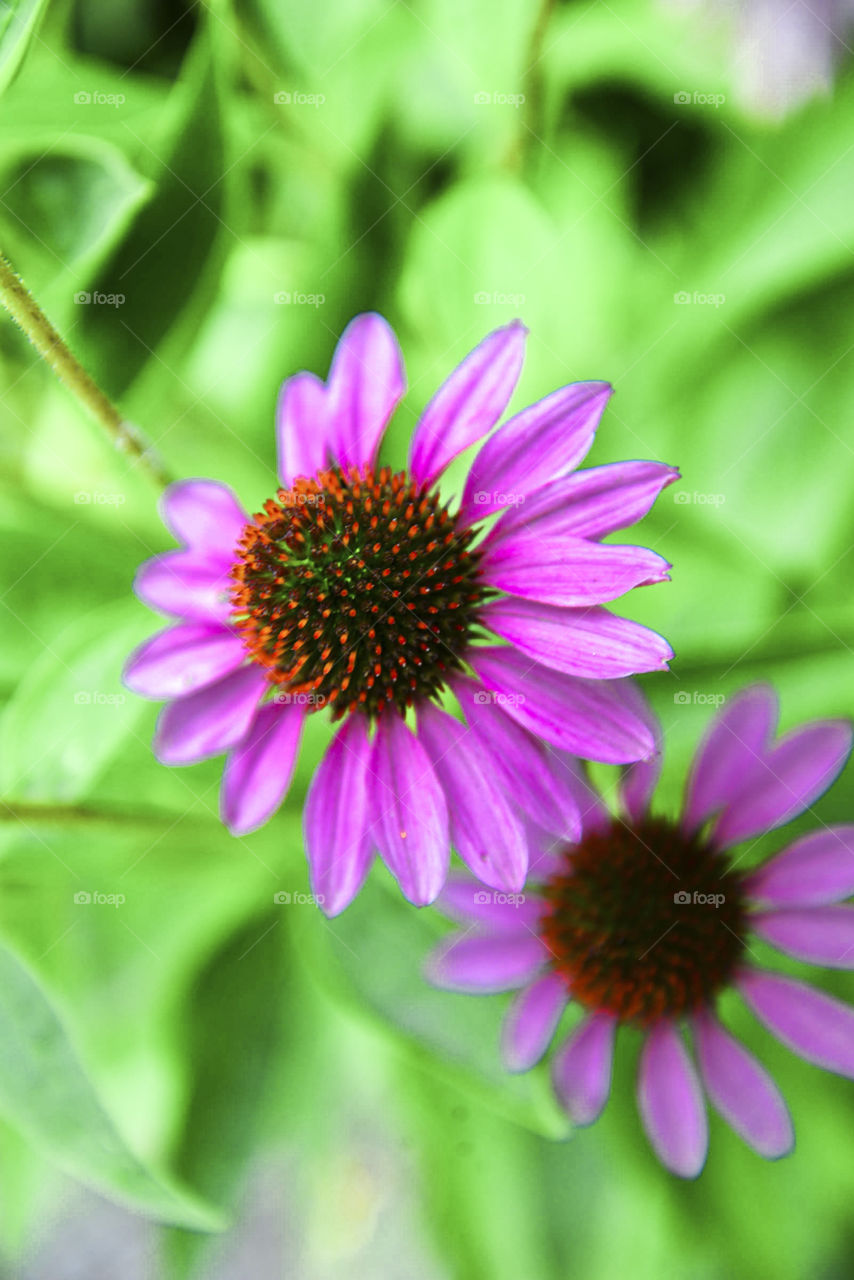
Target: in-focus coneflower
pixel 645 921
pixel 361 589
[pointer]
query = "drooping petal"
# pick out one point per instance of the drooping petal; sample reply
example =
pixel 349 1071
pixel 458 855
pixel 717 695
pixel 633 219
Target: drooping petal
pixel 186 584
pixel 814 871
pixel 580 642
pixel 181 659
pixel 570 774
pixel 735 742
pixel 638 781
pixel 544 441
pixel 590 503
pixel 485 965
pixel 411 825
pixel 336 818
pixel 204 515
pixel 464 899
pixel 532 1020
pixel 568 571
pixel 810 1023
pixel 785 783
pixel 304 427
pixel 741 1090
pixel 519 760
pixel 366 383
pixel 468 403
pixel 211 720
pixel 589 718
pixel 581 1070
pixel 671 1102
pixel 258 771
pixel 484 827
pixel 819 935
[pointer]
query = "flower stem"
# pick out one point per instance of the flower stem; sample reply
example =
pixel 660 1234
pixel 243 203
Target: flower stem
pixel 28 315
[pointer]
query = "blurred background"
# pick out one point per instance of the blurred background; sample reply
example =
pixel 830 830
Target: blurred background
pixel 199 1075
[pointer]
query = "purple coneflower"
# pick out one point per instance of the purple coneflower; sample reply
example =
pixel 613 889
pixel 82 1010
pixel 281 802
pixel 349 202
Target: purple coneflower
pixel 360 589
pixel 646 921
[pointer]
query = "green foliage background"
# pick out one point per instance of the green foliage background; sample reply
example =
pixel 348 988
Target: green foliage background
pixel 161 1048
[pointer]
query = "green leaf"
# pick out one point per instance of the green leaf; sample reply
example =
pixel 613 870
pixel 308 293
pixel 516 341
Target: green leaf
pixel 46 1093
pixel 18 22
pixel 70 713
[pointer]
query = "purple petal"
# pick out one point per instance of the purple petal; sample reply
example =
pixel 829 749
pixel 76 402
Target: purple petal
pixel 816 870
pixel 258 771
pixel 181 659
pixel 366 382
pixel 411 829
pixel 741 1090
pixel 468 403
pixel 735 742
pixel 579 642
pixel 671 1102
pixel 590 503
pixel 819 935
pixel 486 965
pixel 570 572
pixel 544 441
pixel 589 718
pixel 304 427
pixel 520 761
pixel 187 585
pixel 787 781
pixel 531 1022
pixel 570 774
pixel 485 830
pixel 211 720
pixel 336 819
pixel 204 515
pixel 638 781
pixel 581 1070
pixel 810 1023
pixel 466 900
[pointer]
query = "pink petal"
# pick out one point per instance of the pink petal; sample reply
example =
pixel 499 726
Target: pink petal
pixel 205 516
pixel 411 829
pixel 304 427
pixel 815 870
pixel 734 744
pixel 258 771
pixel 544 441
pixel 520 761
pixel 589 718
pixel 187 584
pixel 465 900
pixel 181 659
pixel 570 774
pixel 671 1102
pixel 366 382
pixel 468 403
pixel 210 720
pixel 485 830
pixel 532 1020
pixel 336 819
pixel 787 781
pixel 741 1090
pixel 581 1070
pixel 580 642
pixel 486 965
pixel 568 571
pixel 638 781
pixel 819 935
pixel 810 1023
pixel 590 503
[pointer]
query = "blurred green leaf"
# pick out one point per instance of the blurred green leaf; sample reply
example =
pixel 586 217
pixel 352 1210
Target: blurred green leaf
pixel 18 21
pixel 46 1093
